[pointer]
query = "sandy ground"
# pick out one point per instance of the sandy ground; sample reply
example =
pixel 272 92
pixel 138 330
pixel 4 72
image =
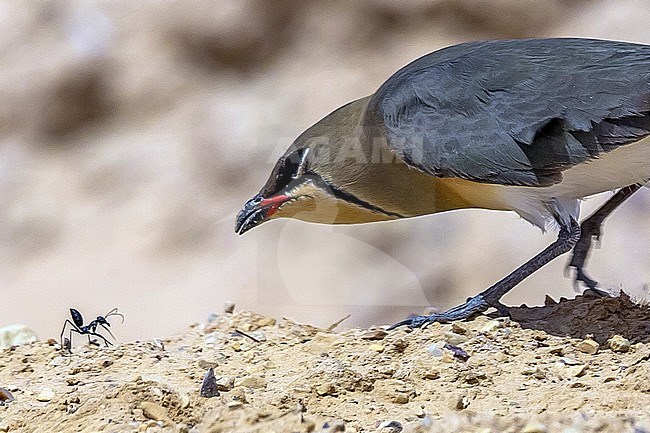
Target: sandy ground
pixel 573 366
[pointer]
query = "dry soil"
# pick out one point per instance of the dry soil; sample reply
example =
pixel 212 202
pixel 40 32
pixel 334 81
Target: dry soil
pixel 573 366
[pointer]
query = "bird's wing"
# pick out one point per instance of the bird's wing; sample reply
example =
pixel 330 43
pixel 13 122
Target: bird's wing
pixel 515 112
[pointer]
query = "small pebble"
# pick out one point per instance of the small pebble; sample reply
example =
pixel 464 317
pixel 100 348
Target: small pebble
pixel 154 411
pixel 460 402
pixel 185 401
pixel 239 394
pixel 453 338
pixel 325 389
pixel 431 374
pixel 209 385
pixel 619 344
pixel 376 348
pixel 534 427
pixel 265 321
pixel 258 335
pixel 457 352
pixel 570 361
pixel 539 373
pixel 160 345
pixel 419 412
pixel 459 328
pixel 228 307
pixel 400 345
pixel 447 357
pixel 255 382
pixel 435 350
pixel 390 427
pixel 45 395
pixel 71 408
pixel 490 326
pixel 16 335
pixel 334 426
pixel 225 383
pixel 401 398
pixel 576 370
pixel 205 364
pixel 588 346
pixel 374 334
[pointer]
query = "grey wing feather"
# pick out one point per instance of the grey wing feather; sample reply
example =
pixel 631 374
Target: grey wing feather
pixel 515 112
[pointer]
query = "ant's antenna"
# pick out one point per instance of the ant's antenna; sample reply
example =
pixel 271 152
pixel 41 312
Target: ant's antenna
pixel 114 312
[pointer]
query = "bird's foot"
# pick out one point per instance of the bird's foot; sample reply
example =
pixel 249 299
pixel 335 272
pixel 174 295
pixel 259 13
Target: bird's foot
pixel 590 284
pixel 582 277
pixel 589 231
pixel 597 293
pixel 469 309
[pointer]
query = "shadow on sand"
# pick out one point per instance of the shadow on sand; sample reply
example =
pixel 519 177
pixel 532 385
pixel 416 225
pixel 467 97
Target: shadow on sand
pixel 586 315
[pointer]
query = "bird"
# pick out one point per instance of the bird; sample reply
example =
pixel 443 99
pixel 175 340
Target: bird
pixel 526 125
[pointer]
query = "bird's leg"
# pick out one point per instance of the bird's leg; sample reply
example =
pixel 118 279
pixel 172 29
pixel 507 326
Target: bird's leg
pixel 490 297
pixel 590 230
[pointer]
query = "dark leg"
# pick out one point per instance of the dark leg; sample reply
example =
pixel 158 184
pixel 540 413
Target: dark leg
pixel 106 342
pixel 590 229
pixel 107 330
pixel 490 297
pixel 75 330
pixel 72 327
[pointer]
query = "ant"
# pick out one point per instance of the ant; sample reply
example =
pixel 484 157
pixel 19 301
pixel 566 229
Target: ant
pixel 77 325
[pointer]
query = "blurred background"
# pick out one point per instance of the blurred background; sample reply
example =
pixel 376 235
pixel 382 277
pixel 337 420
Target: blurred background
pixel 131 133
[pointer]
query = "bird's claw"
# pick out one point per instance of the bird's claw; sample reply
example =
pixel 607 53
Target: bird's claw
pixel 590 232
pixel 415 322
pixel 597 293
pixel 582 277
pixel 472 307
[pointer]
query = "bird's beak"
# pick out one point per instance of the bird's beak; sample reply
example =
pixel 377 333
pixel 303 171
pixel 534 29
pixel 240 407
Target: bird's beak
pixel 257 210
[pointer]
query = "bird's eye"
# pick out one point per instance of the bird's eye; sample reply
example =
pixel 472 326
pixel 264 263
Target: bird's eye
pixel 287 169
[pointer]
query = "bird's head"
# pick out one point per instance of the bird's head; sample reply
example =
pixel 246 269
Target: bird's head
pixel 311 180
pixel 290 186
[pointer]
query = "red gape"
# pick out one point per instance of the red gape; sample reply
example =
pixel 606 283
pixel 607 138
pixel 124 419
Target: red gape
pixel 273 203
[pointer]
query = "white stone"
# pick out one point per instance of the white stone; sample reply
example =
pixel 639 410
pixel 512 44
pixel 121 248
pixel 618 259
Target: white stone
pixel 16 335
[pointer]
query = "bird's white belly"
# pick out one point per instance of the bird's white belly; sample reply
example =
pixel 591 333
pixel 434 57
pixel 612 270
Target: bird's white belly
pixel 621 167
pixel 624 166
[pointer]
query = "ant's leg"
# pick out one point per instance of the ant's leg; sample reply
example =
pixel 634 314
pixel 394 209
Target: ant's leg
pixel 108 343
pixel 107 330
pixel 66 323
pixel 72 327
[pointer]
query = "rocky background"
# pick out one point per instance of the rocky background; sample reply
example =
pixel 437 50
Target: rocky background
pixel 132 132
